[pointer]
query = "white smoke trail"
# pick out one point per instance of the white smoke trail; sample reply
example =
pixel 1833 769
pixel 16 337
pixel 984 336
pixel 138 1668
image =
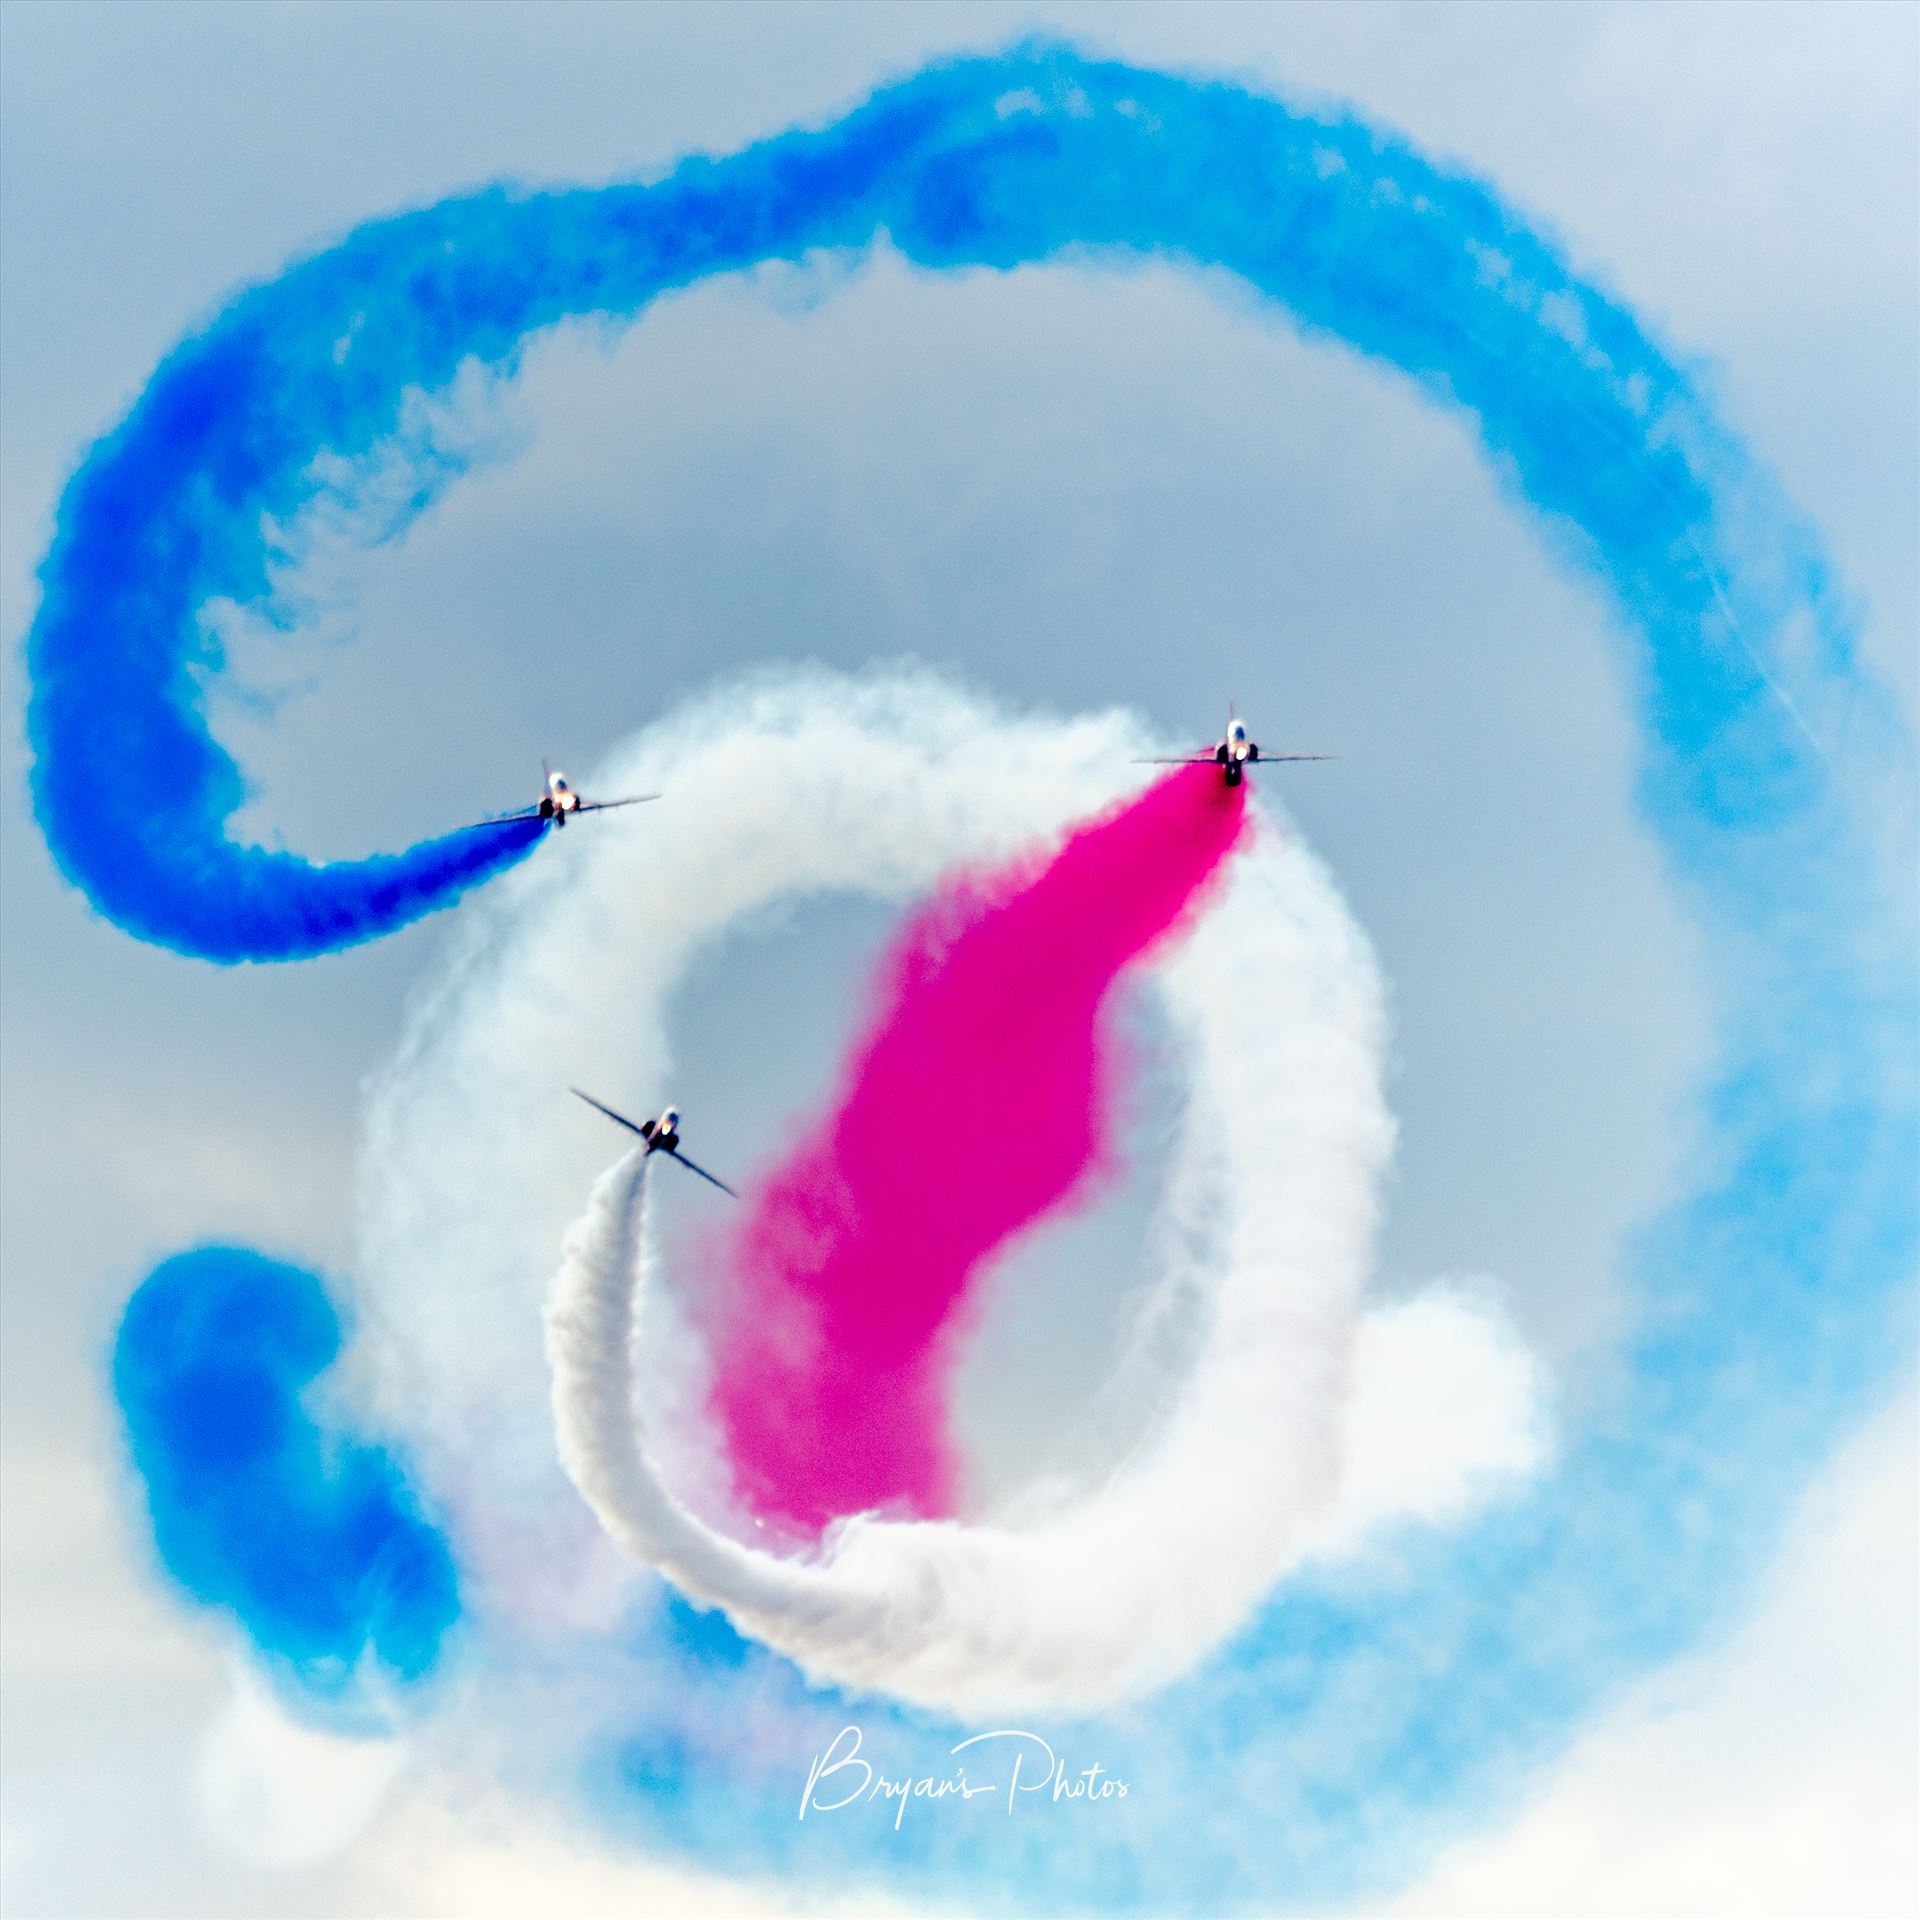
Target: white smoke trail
pixel 1240 1374
pixel 985 1617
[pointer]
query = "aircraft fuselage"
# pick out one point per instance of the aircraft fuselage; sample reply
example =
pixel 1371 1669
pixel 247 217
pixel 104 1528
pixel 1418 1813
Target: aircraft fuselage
pixel 1235 751
pixel 559 800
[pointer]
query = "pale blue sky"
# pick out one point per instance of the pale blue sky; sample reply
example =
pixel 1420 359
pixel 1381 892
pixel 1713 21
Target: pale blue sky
pixel 1072 490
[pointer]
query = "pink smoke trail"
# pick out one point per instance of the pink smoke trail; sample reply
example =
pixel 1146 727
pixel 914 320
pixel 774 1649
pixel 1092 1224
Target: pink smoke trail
pixel 976 1102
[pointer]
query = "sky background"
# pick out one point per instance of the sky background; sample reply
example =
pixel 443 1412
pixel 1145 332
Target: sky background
pixel 1071 490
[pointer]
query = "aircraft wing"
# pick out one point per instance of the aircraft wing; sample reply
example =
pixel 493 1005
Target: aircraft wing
pixel 601 806
pixel 694 1167
pixel 1263 758
pixel 498 820
pixel 1205 758
pixel 619 1119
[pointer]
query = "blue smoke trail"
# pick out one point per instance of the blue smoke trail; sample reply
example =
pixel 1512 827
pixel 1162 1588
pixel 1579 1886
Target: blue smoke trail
pixel 1360 1720
pixel 307 1535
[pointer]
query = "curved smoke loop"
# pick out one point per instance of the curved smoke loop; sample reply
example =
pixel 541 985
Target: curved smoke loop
pixel 1765 1303
pixel 278 409
pixel 1265 1235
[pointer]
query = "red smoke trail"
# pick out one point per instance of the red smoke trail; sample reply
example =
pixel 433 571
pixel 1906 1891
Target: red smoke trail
pixel 975 1103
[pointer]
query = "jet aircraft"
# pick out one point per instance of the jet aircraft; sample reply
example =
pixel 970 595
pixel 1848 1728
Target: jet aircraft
pixel 661 1136
pixel 1234 753
pixel 559 803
